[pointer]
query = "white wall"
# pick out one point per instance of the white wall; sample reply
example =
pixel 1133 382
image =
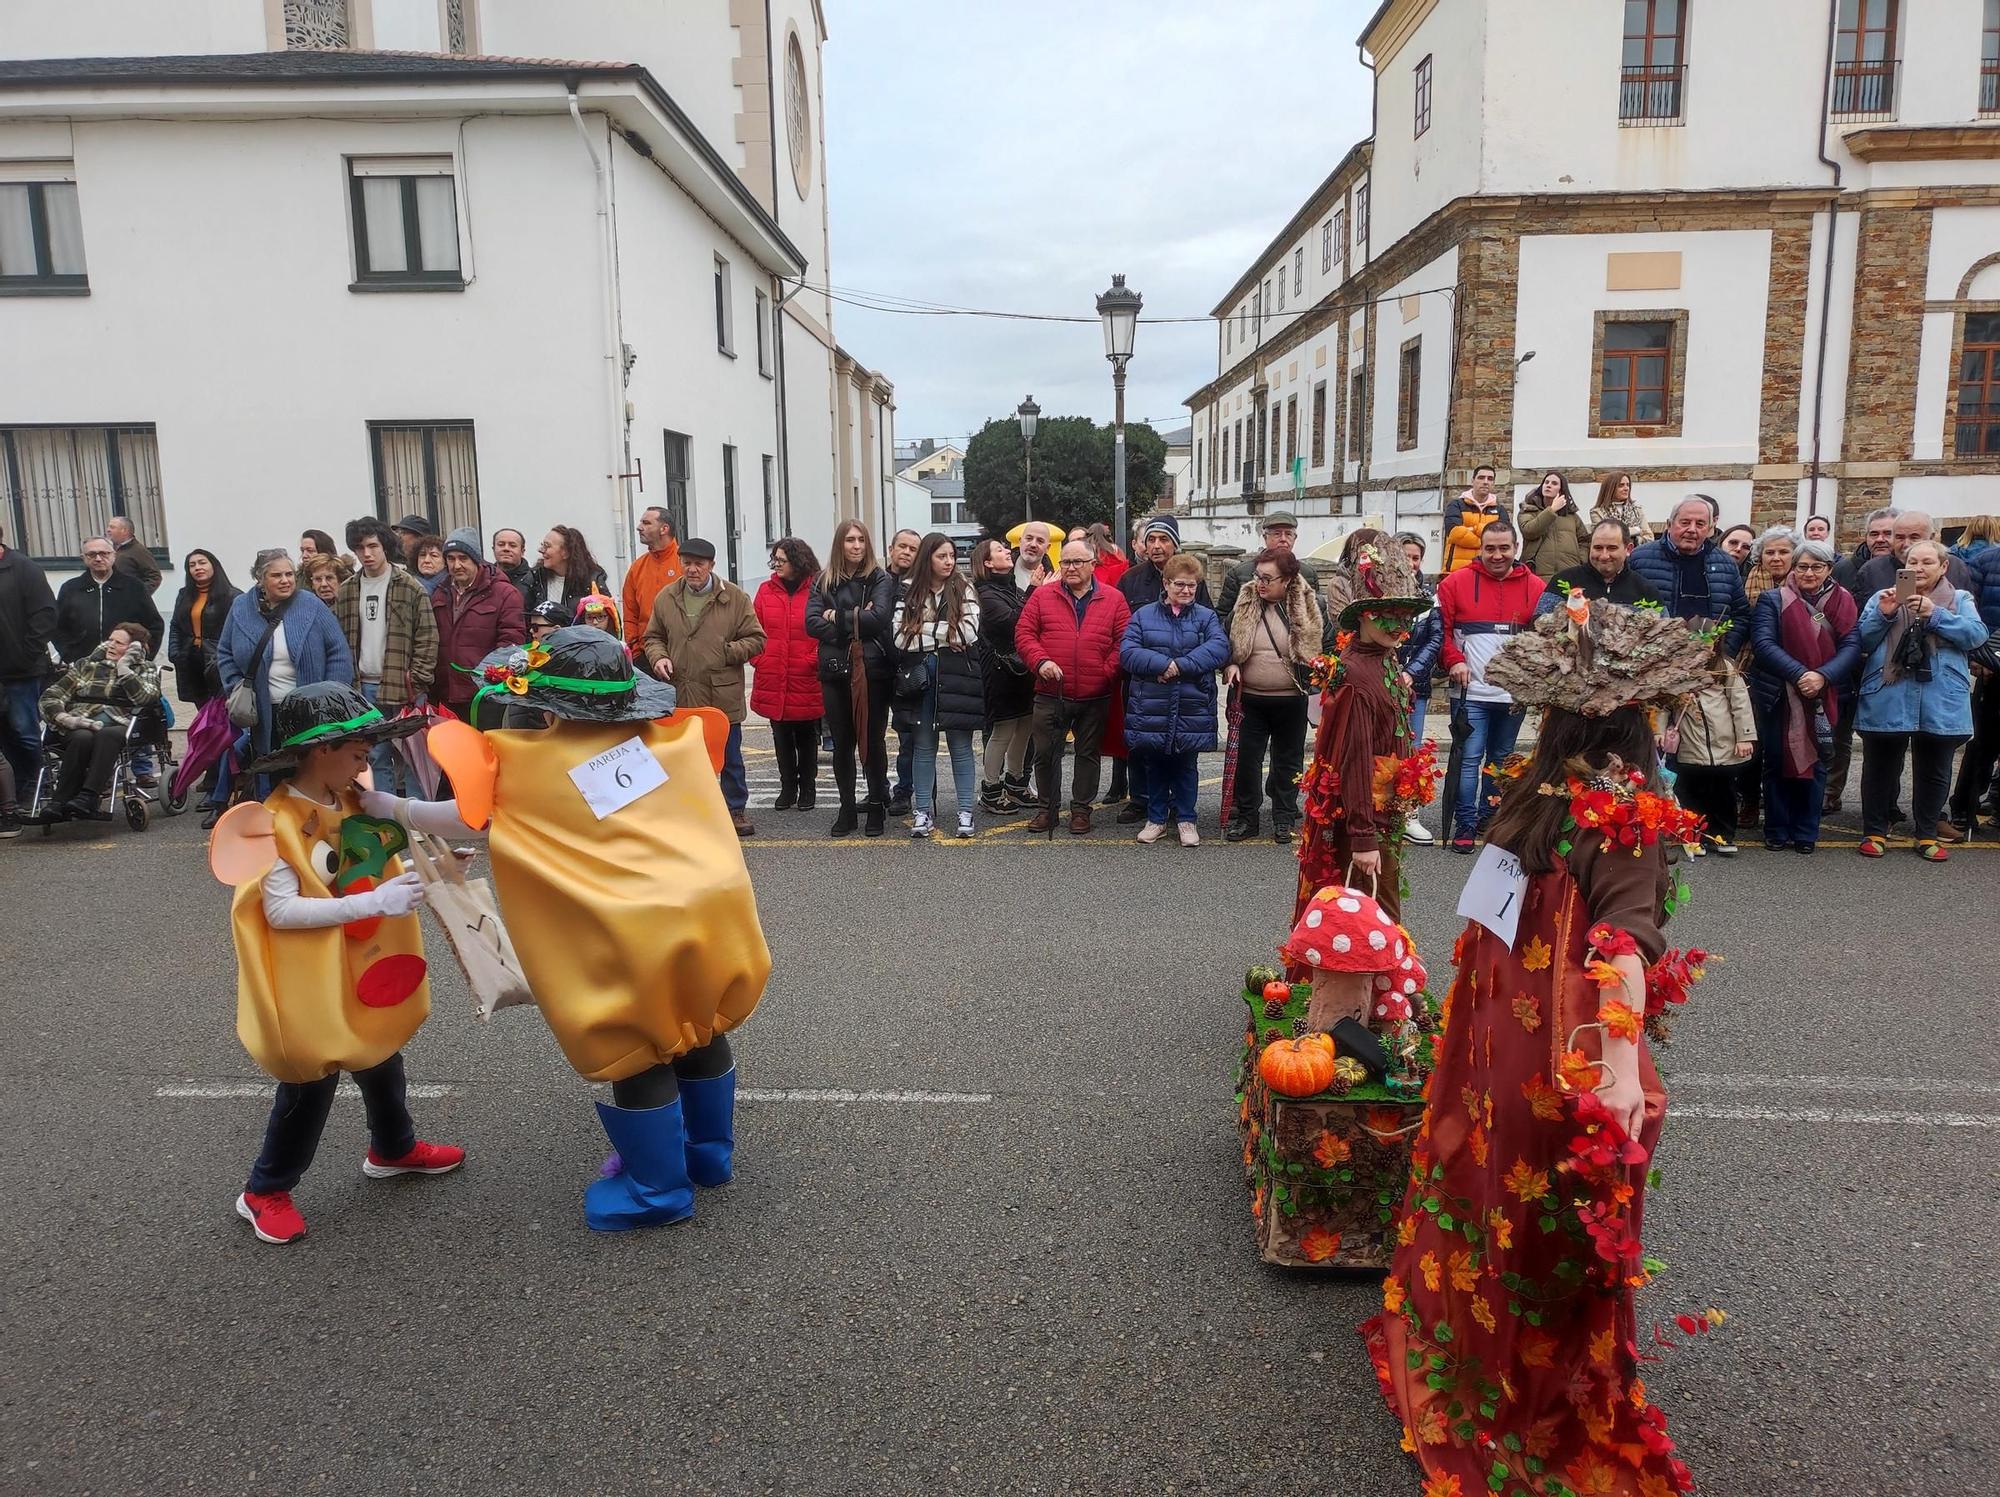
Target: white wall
pixel 1432 323
pixel 1413 175
pixel 129 28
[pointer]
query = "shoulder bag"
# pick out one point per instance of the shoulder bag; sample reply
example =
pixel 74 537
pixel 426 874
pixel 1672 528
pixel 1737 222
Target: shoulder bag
pixel 243 695
pixel 1302 676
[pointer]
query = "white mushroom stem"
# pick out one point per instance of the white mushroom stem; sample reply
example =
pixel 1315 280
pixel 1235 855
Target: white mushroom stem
pixel 1337 996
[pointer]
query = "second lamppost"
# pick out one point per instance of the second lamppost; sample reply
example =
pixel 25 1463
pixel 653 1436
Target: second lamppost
pixel 1118 309
pixel 1027 413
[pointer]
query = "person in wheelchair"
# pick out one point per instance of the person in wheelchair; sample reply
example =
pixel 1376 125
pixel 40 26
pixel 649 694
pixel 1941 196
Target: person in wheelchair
pixel 92 707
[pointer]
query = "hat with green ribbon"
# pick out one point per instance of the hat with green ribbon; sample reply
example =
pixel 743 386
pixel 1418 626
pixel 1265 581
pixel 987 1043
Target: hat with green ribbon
pixel 324 714
pixel 579 673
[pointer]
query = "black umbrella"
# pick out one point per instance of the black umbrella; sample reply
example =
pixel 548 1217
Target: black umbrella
pixel 1461 729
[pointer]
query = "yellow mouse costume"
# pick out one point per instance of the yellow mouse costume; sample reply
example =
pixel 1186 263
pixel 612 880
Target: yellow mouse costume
pixel 622 882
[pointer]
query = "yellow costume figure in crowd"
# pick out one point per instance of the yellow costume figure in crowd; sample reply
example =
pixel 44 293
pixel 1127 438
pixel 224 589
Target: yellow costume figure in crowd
pixel 623 886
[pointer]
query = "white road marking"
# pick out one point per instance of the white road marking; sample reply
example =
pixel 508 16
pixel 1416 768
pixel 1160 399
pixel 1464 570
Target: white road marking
pixel 841 1094
pixel 1910 1085
pixel 1834 1115
pixel 223 1090
pixel 231 1090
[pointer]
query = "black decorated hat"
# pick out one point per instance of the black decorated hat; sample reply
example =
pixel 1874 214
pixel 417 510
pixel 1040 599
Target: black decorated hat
pixel 324 714
pixel 579 673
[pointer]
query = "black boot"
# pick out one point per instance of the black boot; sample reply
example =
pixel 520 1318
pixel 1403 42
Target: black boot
pixel 1241 828
pixel 788 790
pixel 875 820
pixel 844 823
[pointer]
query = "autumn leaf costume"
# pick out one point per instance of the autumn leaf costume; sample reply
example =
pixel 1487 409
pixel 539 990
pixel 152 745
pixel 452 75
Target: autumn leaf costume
pixel 1508 1344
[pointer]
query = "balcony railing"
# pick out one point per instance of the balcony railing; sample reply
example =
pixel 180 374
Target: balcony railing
pixel 1865 90
pixel 1989 86
pixel 1651 96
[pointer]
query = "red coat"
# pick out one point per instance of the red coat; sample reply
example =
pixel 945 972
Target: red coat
pixel 471 628
pixel 784 686
pixel 1088 653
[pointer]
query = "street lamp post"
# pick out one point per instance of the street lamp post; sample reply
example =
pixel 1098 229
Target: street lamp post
pixel 1118 308
pixel 1027 413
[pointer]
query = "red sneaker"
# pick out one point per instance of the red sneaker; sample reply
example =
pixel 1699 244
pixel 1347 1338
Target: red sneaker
pixel 423 1159
pixel 272 1216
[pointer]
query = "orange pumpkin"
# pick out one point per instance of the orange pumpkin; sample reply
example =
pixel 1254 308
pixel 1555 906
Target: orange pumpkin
pixel 1277 992
pixel 1297 1067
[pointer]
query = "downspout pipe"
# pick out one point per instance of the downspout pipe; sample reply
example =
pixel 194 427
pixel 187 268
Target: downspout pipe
pixel 614 353
pixel 1826 270
pixel 1366 447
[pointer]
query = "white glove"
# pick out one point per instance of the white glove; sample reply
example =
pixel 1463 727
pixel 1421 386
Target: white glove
pixel 379 804
pixel 401 894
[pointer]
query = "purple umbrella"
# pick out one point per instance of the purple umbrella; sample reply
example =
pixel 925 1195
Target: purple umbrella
pixel 209 738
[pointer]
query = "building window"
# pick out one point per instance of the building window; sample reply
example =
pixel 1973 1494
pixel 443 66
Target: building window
pixel 427 468
pixel 41 237
pixel 1409 393
pixel 1361 218
pixel 59 484
pixel 405 223
pixel 674 477
pixel 773 530
pixel 1326 247
pixel 1319 425
pixel 1263 303
pixel 1654 67
pixel 1864 59
pixel 1299 271
pixel 1979 387
pixel 1636 374
pixel 1423 95
pixel 1291 431
pixel 725 329
pixel 940 513
pixel 1228 334
pixel 315 25
pixel 1339 235
pixel 1357 412
pixel 455 39
pixel 763 334
pixel 732 525
pixel 1277 464
pixel 1281 288
pixel 1989 61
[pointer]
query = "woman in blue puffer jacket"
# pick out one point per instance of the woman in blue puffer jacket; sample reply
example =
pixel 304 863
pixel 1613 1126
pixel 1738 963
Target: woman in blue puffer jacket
pixel 1171 652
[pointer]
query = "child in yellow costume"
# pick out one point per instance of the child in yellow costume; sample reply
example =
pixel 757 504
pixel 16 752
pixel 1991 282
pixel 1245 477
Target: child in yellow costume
pixel 622 882
pixel 330 966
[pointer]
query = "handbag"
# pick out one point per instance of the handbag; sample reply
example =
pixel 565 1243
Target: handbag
pixel 913 676
pixel 1302 676
pixel 243 695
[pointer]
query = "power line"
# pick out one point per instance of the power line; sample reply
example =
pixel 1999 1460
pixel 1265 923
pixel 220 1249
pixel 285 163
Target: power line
pixel 902 306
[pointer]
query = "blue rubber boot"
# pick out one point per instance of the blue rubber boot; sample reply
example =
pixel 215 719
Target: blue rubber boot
pixel 711 1127
pixel 653 1188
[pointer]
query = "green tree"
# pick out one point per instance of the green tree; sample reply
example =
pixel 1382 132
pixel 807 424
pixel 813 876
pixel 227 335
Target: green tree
pixel 1072 472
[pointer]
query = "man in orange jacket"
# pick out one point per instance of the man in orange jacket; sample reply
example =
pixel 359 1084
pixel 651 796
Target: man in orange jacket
pixel 651 570
pixel 1477 508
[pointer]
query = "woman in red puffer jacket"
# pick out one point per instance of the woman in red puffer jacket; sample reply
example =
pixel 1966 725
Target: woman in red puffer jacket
pixel 785 686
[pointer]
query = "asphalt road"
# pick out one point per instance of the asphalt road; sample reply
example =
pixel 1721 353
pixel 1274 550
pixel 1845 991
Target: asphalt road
pixel 1039 1278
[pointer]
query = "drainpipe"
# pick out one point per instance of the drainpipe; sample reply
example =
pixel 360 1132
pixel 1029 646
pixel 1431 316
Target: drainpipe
pixel 1367 445
pixel 1826 272
pixel 614 352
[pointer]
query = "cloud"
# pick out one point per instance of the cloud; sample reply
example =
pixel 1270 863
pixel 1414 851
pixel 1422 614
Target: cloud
pixel 1006 157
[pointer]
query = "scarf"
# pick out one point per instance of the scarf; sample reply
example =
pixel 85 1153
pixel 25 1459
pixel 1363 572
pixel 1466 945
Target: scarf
pixel 1909 651
pixel 1810 631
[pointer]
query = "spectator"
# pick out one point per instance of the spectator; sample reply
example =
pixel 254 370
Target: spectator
pixel 1481 606
pixel 937 632
pixel 409 530
pixel 1878 539
pixel 1171 650
pixel 1419 655
pixel 1818 528
pixel 321 574
pixel 1145 582
pixel 27 623
pixel 599 612
pixel 651 570
pixel 510 559
pixel 315 543
pixel 1980 532
pixel 1878 573
pixel 785 689
pixel 199 612
pixel 1281 533
pixel 854 601
pixel 132 558
pixel 1070 637
pixel 1032 567
pixel 1111 565
pixel 1805 642
pixel 390 625
pixel 703 633
pixel 91 705
pixel 1916 697
pixel 427 563
pixel 1607 574
pixel 1736 541
pixel 1010 693
pixel 476 612
pixel 1692 577
pixel 1974 791
pixel 1710 740
pixel 1615 502
pixel 1554 534
pixel 279 638
pixel 90 606
pixel 1274 634
pixel 544 618
pixel 1478 507
pixel 1770 561
pixel 902 556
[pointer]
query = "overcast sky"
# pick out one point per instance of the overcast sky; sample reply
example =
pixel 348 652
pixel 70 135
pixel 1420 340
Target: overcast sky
pixel 989 155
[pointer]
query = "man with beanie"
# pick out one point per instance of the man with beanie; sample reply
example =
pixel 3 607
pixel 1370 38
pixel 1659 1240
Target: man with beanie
pixel 392 634
pixel 409 530
pixel 477 611
pixel 702 634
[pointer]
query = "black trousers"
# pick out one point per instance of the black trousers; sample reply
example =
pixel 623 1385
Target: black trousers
pixel 797 748
pixel 1975 770
pixel 1843 750
pixel 1278 723
pixel 89 755
pixel 1882 780
pixel 1055 719
pixel 660 1084
pixel 1711 792
pixel 298 1115
pixel 874 751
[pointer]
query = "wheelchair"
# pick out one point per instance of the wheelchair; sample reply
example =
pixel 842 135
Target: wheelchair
pixel 147 732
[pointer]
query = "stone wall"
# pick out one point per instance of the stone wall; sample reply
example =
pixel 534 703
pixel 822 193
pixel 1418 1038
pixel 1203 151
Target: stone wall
pixel 1892 255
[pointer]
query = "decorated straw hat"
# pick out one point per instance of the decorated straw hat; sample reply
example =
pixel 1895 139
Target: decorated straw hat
pixel 1381 580
pixel 1594 657
pixel 579 673
pixel 324 714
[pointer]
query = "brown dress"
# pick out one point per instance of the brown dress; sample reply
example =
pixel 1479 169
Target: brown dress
pixel 1362 722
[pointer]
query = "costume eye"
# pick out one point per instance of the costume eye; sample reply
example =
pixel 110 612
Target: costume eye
pixel 323 860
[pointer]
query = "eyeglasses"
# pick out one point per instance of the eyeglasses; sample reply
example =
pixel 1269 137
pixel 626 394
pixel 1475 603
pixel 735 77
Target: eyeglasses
pixel 1267 577
pixel 1076 561
pixel 96 555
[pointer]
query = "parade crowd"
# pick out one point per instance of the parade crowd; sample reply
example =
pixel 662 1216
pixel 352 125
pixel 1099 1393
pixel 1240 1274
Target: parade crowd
pixel 1063 643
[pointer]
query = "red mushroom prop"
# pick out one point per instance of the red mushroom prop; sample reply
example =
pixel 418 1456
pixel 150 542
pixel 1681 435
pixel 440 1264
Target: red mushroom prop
pixel 1348 942
pixel 1396 989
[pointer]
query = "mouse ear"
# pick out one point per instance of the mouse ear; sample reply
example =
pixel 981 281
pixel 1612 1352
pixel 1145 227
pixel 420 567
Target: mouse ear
pixel 463 753
pixel 714 728
pixel 243 845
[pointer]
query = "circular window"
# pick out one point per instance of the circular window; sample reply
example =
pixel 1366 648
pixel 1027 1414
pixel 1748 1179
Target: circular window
pixel 798 114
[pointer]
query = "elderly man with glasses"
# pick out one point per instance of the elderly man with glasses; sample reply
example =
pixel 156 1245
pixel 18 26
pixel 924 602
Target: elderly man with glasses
pixel 89 607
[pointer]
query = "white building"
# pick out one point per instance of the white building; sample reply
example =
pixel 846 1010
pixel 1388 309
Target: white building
pixel 270 264
pixel 1178 471
pixel 1751 250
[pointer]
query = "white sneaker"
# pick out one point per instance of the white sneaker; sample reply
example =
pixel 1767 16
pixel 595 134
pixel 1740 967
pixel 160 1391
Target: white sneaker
pixel 1189 836
pixel 920 825
pixel 1152 831
pixel 1417 832
pixel 965 824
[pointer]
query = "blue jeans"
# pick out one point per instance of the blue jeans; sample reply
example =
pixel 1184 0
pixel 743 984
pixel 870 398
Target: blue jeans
pixel 906 751
pixel 923 768
pixel 21 730
pixel 735 780
pixel 1172 782
pixel 388 765
pixel 1495 726
pixel 1417 711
